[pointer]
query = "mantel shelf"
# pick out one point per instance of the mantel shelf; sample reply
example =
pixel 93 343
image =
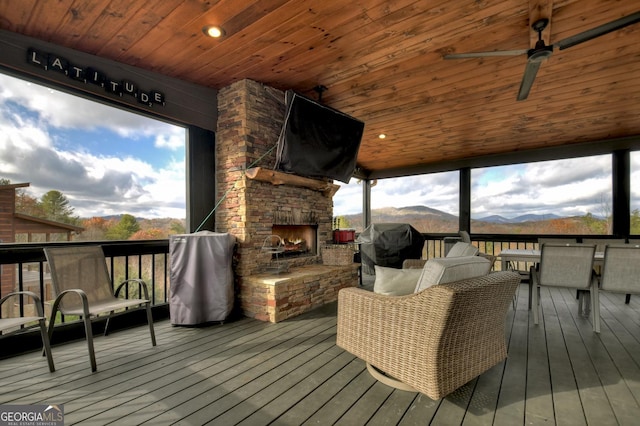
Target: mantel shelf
pixel 279 178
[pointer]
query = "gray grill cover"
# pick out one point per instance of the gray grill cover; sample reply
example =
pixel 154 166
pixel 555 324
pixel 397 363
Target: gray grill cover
pixel 389 244
pixel 201 277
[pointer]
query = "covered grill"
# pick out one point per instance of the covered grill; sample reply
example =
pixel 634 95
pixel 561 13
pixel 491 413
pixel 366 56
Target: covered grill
pixel 388 244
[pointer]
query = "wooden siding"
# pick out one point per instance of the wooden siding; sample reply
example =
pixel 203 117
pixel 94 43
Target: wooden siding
pixel 291 373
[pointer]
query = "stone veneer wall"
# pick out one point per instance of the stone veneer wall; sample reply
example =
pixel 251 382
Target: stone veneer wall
pixel 250 118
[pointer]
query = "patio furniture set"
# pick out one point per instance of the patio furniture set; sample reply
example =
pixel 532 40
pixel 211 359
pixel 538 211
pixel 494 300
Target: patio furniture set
pixel 429 327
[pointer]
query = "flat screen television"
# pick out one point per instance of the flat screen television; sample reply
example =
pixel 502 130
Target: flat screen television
pixel 318 141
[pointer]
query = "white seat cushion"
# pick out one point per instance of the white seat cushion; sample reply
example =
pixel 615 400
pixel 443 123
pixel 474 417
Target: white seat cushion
pixel 395 282
pixel 442 270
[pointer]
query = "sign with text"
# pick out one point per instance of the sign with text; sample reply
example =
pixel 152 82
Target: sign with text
pixel 90 75
pixel 31 415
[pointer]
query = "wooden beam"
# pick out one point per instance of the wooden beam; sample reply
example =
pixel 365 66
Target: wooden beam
pixel 539 9
pixel 279 178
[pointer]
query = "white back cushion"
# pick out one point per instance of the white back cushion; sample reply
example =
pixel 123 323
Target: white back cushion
pixel 442 270
pixel 395 282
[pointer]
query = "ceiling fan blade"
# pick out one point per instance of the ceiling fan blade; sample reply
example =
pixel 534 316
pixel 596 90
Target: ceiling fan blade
pixel 485 54
pixel 598 31
pixel 527 79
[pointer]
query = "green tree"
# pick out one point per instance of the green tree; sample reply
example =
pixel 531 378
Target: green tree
pixel 26 204
pixel 126 227
pixel 56 207
pixel 177 227
pixel 341 222
pixel 635 222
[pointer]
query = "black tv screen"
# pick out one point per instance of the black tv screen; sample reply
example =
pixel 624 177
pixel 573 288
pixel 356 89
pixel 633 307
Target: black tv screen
pixel 318 141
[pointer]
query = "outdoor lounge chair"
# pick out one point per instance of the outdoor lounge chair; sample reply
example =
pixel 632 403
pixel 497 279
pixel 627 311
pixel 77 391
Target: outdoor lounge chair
pixel 83 287
pixel 620 274
pixel 13 322
pixel 433 341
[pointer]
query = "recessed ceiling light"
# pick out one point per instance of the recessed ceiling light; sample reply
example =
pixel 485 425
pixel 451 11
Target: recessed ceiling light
pixel 213 31
pixel 382 136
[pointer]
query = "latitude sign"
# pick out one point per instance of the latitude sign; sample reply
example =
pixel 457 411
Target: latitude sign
pixel 90 75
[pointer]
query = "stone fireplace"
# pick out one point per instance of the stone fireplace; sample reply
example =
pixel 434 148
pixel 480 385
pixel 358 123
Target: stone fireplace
pixel 258 202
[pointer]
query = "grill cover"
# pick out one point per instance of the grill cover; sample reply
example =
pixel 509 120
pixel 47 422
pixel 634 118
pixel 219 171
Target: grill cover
pixel 201 277
pixel 389 244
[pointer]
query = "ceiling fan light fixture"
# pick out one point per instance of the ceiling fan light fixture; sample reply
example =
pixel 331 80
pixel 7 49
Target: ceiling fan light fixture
pixel 540 54
pixel 213 31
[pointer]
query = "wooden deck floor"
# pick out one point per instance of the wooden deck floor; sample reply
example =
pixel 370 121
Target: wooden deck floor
pixel 291 373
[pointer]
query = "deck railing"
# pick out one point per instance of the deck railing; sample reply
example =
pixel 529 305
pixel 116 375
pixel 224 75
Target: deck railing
pixel 147 260
pixel 493 244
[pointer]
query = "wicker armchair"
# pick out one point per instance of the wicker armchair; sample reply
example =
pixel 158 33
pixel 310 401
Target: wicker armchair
pixel 433 341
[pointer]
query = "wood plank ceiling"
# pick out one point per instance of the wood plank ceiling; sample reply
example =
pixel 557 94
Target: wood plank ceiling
pixel 382 62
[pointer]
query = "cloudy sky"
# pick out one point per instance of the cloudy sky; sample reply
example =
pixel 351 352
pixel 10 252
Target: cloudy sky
pixel 107 161
pixel 565 187
pixel 104 160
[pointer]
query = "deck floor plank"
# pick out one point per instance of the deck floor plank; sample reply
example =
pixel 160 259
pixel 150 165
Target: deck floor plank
pixel 317 399
pixel 248 372
pixel 567 404
pixel 510 408
pixel 218 391
pixel 597 409
pixel 622 401
pixel 393 409
pixel 219 355
pixel 539 402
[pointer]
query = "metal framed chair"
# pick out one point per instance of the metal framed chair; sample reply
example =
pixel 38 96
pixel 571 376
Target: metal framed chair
pixel 83 287
pixel 601 244
pixel 13 322
pixel 564 265
pixel 620 274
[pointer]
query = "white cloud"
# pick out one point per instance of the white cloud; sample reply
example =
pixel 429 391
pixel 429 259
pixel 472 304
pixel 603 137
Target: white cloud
pixel 571 187
pixel 63 110
pixel 567 187
pixel 172 140
pixel 95 184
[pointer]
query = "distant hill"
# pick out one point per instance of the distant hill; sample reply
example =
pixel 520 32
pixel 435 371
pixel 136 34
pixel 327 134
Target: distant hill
pixel 427 219
pixel 421 217
pixel 519 219
pixel 404 214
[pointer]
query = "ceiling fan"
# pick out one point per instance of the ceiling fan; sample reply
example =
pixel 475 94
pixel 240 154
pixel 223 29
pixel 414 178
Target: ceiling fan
pixel 541 52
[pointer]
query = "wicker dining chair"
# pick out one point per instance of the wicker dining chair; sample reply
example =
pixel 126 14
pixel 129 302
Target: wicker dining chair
pixel 83 287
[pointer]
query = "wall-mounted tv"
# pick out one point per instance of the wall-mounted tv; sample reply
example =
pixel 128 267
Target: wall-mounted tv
pixel 318 141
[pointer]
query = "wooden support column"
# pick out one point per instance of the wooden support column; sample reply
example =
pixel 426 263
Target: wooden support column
pixel 621 186
pixel 465 200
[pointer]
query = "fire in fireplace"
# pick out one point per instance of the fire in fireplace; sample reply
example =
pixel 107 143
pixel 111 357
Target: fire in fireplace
pixel 298 240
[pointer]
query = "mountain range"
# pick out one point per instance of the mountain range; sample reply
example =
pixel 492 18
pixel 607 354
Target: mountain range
pixel 405 214
pixel 518 219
